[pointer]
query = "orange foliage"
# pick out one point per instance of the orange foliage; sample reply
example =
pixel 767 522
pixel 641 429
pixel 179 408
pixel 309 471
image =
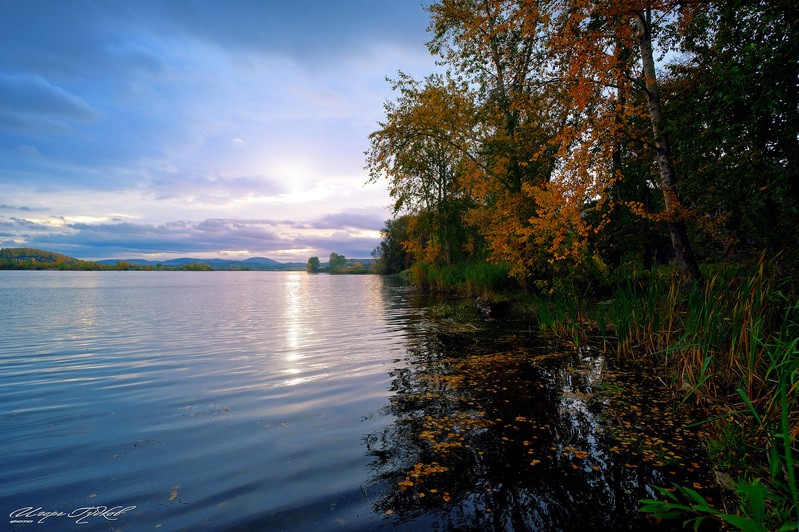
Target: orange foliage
pixel 554 86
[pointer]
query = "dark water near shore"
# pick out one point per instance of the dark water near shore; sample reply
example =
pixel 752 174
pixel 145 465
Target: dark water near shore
pixel 287 401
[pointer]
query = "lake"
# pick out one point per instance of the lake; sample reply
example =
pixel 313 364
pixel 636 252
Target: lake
pixel 289 401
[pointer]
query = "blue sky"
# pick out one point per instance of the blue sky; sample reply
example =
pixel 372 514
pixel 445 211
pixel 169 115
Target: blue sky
pixel 160 129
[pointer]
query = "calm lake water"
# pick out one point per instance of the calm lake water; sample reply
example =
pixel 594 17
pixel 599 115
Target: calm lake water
pixel 288 401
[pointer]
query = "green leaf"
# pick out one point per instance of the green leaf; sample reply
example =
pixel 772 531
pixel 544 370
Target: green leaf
pixel 749 404
pixel 671 514
pixel 743 523
pixel 655 507
pixel 697 522
pixel 756 494
pixel 666 493
pixel 775 462
pixel 700 501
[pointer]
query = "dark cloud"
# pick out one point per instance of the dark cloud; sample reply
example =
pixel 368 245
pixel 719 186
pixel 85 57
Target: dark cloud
pixel 209 236
pixel 25 224
pixel 22 224
pixel 205 238
pixel 19 208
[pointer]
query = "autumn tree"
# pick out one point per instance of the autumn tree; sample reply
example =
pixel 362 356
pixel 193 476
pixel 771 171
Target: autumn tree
pixel 605 52
pixel 498 47
pixel 563 138
pixel 312 266
pixel 424 147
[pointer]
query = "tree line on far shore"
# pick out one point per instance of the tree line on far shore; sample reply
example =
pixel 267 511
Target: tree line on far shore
pixel 339 264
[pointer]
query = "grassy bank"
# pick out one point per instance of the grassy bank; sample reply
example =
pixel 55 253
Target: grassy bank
pixel 468 278
pixel 729 343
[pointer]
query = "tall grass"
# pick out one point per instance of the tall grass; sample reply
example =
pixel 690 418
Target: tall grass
pixel 714 337
pixel 731 340
pixel 471 278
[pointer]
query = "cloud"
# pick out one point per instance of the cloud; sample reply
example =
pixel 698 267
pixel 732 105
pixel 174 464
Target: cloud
pixel 128 116
pixel 350 219
pixel 27 226
pixel 207 238
pixel 205 188
pixel 210 236
pixel 24 208
pixel 305 30
pixel 25 94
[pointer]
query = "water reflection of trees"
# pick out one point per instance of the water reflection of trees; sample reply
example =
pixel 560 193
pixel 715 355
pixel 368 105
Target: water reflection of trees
pixel 502 433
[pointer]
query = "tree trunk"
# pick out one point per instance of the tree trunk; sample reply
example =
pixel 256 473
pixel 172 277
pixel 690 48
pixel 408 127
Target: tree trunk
pixel 683 252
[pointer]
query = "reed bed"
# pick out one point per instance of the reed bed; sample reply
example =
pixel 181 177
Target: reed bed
pixel 731 343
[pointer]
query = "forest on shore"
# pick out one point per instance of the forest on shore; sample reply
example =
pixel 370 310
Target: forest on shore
pixel 622 171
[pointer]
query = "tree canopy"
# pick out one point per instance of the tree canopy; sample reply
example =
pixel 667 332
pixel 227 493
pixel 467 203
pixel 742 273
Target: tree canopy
pixel 569 136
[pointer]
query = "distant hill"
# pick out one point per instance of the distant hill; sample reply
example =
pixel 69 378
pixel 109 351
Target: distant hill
pixel 31 258
pixel 254 263
pixel 34 255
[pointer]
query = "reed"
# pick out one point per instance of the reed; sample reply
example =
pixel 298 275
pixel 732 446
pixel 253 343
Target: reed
pixel 469 278
pixel 732 340
pixel 711 337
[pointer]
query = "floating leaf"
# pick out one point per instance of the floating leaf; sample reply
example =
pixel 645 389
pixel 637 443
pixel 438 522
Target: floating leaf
pixel 405 484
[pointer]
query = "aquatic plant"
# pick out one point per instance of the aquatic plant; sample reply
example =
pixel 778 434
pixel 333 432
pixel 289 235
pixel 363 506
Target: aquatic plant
pixel 740 342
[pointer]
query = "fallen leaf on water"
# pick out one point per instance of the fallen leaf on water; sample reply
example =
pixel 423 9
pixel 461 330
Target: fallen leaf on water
pixel 405 484
pixel 174 494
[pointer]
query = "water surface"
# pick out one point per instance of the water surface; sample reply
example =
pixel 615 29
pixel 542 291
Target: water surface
pixel 288 401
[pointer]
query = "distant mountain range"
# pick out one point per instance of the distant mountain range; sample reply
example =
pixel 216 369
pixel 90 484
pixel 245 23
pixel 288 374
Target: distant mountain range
pixel 30 258
pixel 254 263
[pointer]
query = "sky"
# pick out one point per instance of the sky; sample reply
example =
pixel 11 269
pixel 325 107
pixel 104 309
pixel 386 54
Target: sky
pixel 173 128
